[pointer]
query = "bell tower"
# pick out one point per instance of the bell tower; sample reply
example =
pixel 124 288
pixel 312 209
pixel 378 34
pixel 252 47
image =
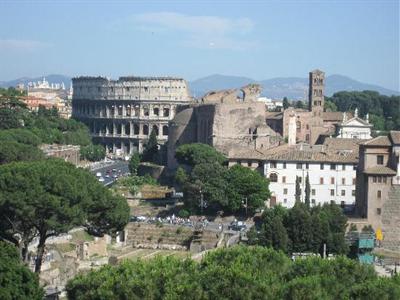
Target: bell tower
pixel 316 92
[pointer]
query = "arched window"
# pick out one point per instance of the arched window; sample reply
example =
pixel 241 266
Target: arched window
pixel 155 129
pixel 145 130
pixel 135 129
pixel 165 130
pixel 273 177
pixel 146 111
pixel 128 129
pixel 166 112
pixel 156 111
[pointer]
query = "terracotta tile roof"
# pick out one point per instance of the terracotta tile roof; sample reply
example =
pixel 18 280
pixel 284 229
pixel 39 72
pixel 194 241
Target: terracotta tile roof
pixel 378 141
pixel 382 170
pixel 335 144
pixel 294 154
pixel 335 116
pixel 395 136
pixel 246 154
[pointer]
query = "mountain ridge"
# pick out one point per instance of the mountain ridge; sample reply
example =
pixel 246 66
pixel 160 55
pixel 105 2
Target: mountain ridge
pixel 292 87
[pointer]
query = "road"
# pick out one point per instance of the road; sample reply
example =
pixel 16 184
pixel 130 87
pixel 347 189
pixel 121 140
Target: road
pixel 118 165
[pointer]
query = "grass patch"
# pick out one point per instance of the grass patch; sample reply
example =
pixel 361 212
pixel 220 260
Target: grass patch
pixel 81 235
pixel 65 247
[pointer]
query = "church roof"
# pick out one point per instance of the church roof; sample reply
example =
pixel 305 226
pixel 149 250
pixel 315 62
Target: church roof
pixel 380 170
pixel 378 141
pixel 336 116
pixel 395 137
pixel 359 120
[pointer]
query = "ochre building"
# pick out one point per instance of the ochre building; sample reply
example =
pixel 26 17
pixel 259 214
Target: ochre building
pixel 122 113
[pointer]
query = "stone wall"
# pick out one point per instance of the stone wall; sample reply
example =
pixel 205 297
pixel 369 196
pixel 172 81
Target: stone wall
pixel 391 220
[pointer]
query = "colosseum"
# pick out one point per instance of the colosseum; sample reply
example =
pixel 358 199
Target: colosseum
pixel 122 113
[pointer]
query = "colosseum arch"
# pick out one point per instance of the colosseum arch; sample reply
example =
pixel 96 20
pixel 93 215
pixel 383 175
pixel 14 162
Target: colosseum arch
pixel 145 129
pixel 165 130
pixel 155 129
pixel 127 129
pixel 136 129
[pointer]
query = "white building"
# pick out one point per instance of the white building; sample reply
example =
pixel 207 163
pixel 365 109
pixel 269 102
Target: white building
pixel 355 128
pixel 270 104
pixel 332 174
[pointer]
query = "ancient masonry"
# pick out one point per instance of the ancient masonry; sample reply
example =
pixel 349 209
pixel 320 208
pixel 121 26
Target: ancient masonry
pixel 122 113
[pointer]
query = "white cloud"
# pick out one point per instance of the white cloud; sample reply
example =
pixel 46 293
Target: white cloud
pixel 22 45
pixel 209 32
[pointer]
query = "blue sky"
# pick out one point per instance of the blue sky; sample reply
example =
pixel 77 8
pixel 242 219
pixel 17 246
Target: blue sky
pixel 192 39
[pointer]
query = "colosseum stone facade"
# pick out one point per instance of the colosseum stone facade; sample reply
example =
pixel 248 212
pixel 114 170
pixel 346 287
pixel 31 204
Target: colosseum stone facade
pixel 122 113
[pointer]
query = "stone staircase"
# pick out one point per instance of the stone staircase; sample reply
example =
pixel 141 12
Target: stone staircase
pixel 391 220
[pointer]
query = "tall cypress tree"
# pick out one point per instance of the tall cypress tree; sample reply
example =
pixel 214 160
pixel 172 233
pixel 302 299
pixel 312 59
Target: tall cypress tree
pixel 151 148
pixel 298 189
pixel 307 191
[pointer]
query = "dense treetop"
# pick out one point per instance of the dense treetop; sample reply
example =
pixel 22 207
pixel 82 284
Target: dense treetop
pixel 49 197
pixel 235 273
pixel 16 280
pixel 384 111
pixel 221 188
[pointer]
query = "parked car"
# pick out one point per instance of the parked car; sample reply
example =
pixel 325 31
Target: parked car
pixel 101 179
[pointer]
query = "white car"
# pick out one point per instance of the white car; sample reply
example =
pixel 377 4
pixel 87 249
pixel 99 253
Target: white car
pixel 101 179
pixel 98 174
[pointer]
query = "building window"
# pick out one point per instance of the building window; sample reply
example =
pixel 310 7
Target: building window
pixel 332 192
pixel 299 166
pixel 283 179
pixel 384 179
pixel 156 111
pixel 285 191
pixel 378 211
pixel 379 159
pixel 321 180
pixel 273 177
pixel 272 164
pixel 135 129
pixel 166 112
pixel 379 179
pixel 354 181
pixel 321 166
pixel 379 194
pixel 343 181
pixel 146 111
pixel 333 167
pixel 285 200
pixel 342 204
pixel 353 193
pixel 307 166
pixel 300 179
pixel 313 202
pixel 344 167
pixel 374 179
pixel 343 193
pixel 284 165
pixel 313 192
pixel 165 130
pixel 332 180
pixel 145 130
pixel 249 163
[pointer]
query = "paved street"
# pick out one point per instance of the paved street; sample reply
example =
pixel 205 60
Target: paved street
pixel 120 166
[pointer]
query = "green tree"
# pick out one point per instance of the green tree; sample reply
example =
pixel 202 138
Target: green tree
pixel 246 183
pixel 298 190
pixel 151 148
pixel 16 280
pixel 193 154
pixel 329 106
pixel 299 228
pixel 285 103
pixel 134 162
pixel 93 152
pixel 300 104
pixel 50 197
pixel 12 151
pixel 307 192
pixel 180 176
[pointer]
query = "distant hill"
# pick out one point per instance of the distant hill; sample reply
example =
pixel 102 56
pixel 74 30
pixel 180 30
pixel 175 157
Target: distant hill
pixel 277 88
pixel 52 78
pixel 291 87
